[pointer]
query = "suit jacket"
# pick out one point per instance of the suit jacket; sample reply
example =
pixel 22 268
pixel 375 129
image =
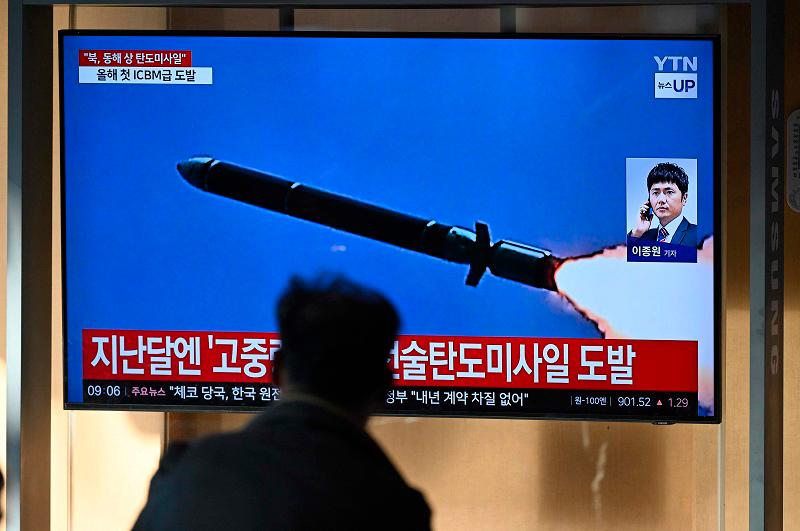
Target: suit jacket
pixel 297 467
pixel 686 234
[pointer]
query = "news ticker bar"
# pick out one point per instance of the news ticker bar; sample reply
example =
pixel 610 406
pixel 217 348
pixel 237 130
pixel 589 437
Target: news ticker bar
pixel 412 400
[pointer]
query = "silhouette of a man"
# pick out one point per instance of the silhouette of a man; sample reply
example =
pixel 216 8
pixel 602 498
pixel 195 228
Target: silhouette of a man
pixel 306 463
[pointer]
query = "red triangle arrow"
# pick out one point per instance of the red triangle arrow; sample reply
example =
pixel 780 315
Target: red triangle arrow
pixel 659 403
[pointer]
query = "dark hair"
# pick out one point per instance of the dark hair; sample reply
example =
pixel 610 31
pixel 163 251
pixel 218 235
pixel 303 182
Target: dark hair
pixel 667 172
pixel 335 340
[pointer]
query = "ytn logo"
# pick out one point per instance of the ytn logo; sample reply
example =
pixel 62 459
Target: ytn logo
pixel 676 63
pixel 673 80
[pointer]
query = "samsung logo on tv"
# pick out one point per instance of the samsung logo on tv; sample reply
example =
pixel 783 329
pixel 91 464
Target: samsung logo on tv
pixel 676 77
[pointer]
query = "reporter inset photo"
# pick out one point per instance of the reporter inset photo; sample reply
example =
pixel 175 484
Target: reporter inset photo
pixel 661 209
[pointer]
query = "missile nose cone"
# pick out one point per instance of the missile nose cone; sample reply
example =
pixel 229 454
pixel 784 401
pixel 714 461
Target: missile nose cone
pixel 195 170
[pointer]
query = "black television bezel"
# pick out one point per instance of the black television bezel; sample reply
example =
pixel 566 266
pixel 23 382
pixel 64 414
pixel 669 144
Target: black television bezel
pixel 718 235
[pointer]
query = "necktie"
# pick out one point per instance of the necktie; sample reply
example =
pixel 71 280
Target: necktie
pixel 662 234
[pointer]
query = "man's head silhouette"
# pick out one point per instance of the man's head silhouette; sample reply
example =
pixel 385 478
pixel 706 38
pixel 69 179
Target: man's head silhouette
pixel 335 342
pixel 310 452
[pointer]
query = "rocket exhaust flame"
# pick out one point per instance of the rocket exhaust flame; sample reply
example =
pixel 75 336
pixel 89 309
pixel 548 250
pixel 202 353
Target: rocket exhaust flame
pixel 570 278
pixel 616 297
pixel 649 300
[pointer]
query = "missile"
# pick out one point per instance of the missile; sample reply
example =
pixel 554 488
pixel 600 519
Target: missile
pixel 514 261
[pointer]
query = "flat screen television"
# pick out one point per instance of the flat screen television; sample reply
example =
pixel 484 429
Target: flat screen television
pixel 543 211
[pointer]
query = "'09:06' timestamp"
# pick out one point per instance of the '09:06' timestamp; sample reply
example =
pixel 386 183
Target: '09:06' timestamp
pixel 103 390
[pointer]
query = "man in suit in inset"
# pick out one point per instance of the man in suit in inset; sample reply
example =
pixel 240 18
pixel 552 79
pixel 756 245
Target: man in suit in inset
pixel 668 190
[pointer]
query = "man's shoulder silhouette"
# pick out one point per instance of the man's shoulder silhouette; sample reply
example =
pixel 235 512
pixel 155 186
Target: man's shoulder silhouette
pixel 298 466
pixel 306 463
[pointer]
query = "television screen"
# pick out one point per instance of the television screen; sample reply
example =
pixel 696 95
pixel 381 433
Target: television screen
pixel 542 210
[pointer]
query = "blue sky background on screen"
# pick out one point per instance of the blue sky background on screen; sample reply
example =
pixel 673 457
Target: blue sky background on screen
pixel 530 136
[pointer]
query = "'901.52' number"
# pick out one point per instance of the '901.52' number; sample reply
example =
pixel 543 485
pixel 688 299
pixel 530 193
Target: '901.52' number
pixel 633 401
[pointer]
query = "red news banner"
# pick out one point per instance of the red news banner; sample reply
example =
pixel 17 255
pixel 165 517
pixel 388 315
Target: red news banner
pixel 156 58
pixel 416 361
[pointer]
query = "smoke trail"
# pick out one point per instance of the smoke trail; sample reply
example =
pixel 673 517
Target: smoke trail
pixel 655 300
